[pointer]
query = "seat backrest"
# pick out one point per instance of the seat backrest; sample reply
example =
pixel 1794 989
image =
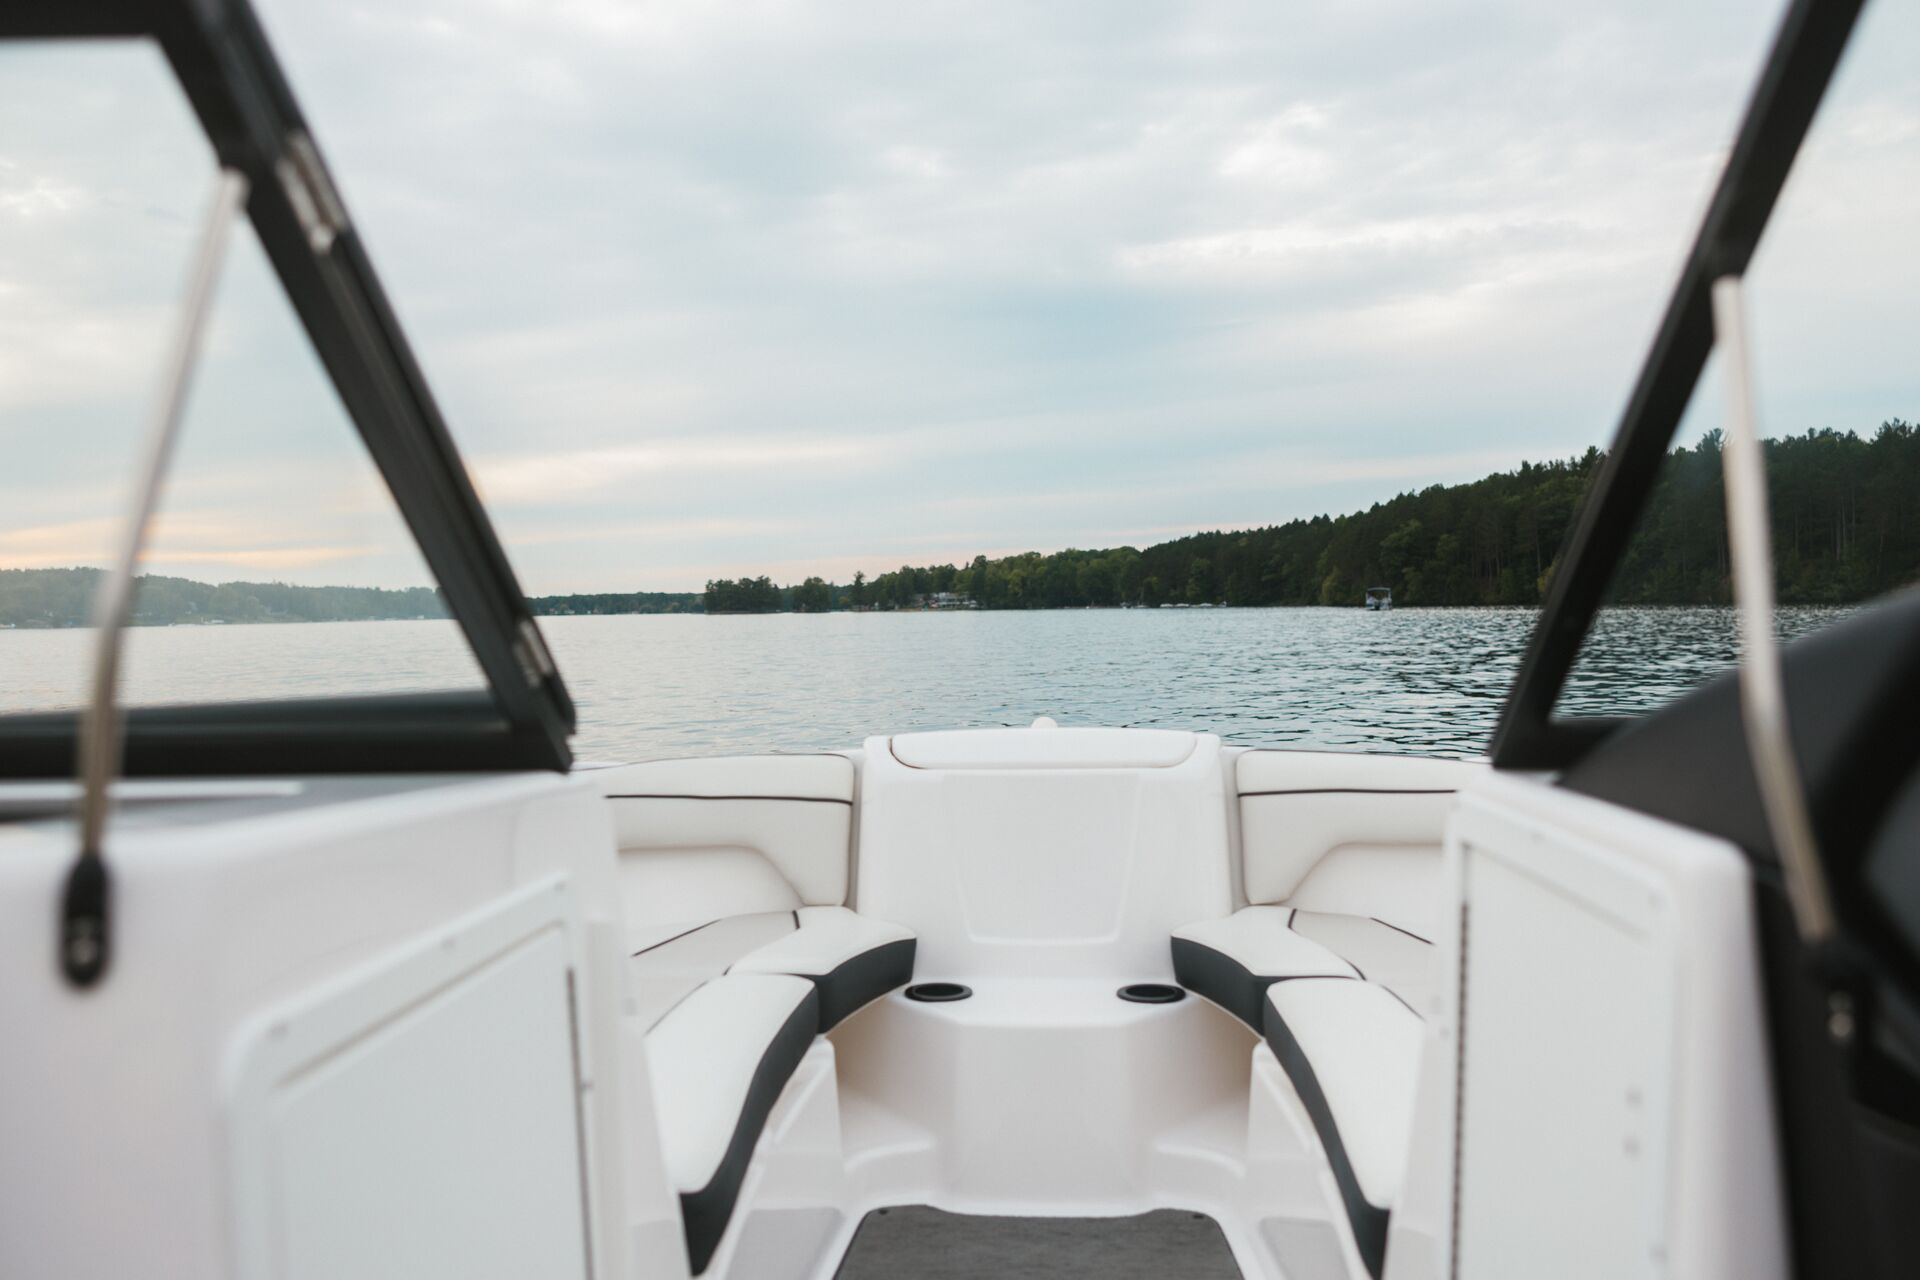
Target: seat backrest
pixel 1346 832
pixel 730 835
pixel 1044 852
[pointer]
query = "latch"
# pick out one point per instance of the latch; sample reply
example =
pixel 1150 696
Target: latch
pixel 315 203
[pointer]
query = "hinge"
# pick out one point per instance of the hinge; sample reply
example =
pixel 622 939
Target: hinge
pixel 310 191
pixel 530 647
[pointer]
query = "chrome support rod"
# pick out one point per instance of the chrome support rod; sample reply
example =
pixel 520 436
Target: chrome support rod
pixel 84 936
pixel 1763 691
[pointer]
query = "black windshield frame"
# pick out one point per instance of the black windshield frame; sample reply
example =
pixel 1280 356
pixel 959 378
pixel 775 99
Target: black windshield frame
pixel 1807 49
pixel 220 56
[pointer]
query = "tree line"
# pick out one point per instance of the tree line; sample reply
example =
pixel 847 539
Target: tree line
pixel 1846 526
pixel 747 595
pixel 64 598
pixel 605 602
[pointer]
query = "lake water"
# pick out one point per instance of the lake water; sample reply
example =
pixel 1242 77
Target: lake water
pixel 1425 681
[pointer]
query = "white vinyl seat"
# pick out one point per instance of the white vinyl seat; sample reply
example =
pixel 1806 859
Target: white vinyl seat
pixel 1352 1050
pixel 735 875
pixel 1232 961
pixel 1333 966
pixel 850 959
pixel 1384 954
pixel 1340 1000
pixel 671 961
pixel 730 1006
pixel 719 1059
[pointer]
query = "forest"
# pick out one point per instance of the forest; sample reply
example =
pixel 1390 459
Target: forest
pixel 617 602
pixel 759 595
pixel 64 598
pixel 1846 523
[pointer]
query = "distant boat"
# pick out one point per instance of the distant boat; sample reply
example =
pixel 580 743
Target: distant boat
pixel 1379 597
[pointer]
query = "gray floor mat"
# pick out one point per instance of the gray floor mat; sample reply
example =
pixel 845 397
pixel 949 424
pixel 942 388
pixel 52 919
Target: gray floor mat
pixel 915 1242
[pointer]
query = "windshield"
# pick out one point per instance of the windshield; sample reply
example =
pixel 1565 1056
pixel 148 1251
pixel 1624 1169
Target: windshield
pixel 272 514
pixel 316 538
pixel 1837 394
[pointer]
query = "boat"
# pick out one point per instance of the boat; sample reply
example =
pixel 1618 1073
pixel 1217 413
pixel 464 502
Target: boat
pixel 393 985
pixel 1379 598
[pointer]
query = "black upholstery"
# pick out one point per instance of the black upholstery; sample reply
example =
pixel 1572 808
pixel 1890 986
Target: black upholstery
pixel 834 996
pixel 1369 1221
pixel 1229 983
pixel 858 982
pixel 1221 979
pixel 704 1213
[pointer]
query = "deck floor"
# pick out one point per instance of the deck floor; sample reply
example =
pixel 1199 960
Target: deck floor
pixel 931 1244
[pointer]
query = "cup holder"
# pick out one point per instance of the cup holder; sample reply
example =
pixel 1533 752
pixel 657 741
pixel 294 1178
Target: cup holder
pixel 1152 993
pixel 938 992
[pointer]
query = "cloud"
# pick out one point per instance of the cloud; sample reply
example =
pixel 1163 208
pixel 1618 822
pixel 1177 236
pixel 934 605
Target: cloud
pixel 915 162
pixel 179 547
pixel 1285 150
pixel 536 478
pixel 655 531
pixel 264 559
pixel 75 542
pixel 701 288
pixel 1294 245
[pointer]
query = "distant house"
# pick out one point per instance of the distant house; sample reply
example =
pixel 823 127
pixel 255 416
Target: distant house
pixel 944 600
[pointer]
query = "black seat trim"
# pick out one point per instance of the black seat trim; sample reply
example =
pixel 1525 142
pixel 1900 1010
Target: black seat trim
pixel 1220 978
pixel 1369 1221
pixel 857 982
pixel 704 1213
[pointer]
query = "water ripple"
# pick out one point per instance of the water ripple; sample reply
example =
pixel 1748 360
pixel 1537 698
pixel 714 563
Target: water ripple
pixel 1426 681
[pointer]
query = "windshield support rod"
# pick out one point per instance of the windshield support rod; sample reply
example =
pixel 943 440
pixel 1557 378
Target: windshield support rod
pixel 1763 689
pixel 84 916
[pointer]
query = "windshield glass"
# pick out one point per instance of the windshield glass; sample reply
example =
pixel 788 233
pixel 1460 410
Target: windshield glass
pixel 102 173
pixel 271 514
pixel 1837 390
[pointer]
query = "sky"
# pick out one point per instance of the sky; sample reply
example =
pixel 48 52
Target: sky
pixel 792 288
